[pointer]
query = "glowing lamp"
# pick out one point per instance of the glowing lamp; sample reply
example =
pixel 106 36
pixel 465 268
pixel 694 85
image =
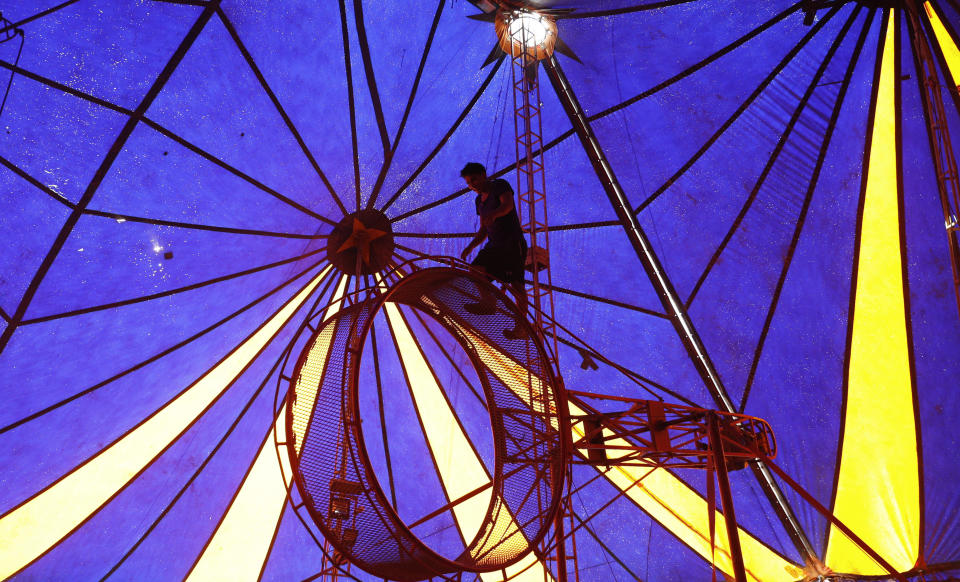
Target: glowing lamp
pixel 527 33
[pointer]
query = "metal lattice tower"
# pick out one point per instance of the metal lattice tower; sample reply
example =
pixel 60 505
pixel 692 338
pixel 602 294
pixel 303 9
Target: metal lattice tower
pixel 329 571
pixel 531 184
pixel 948 182
pixel 532 207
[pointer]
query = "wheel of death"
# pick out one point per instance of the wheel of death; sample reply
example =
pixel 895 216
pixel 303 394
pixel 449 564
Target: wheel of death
pixel 500 520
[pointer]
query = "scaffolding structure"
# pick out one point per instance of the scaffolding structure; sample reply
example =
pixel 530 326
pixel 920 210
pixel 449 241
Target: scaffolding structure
pixel 334 567
pixel 531 183
pixel 612 431
pixel 525 54
pixel 623 432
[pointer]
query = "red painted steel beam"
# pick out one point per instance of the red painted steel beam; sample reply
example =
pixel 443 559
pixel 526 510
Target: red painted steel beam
pixel 729 515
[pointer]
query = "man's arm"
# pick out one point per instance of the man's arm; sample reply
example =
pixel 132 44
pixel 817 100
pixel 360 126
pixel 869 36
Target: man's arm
pixel 477 239
pixel 506 205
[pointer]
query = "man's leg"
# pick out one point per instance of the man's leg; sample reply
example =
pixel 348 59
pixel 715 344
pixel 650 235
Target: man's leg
pixel 520 294
pixel 487 301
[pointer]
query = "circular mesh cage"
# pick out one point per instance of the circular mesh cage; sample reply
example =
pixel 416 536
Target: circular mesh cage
pixel 331 463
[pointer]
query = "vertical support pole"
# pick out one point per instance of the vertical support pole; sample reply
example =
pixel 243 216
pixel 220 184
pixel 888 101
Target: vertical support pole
pixel 564 519
pixel 329 570
pixel 729 516
pixel 561 541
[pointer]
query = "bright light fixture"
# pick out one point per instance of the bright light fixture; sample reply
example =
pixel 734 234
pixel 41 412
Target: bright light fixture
pixel 526 33
pixel 530 29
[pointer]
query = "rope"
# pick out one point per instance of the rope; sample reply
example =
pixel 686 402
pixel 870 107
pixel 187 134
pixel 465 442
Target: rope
pixel 16 62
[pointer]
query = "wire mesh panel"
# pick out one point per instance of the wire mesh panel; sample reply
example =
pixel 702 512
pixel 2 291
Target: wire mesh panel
pixel 331 463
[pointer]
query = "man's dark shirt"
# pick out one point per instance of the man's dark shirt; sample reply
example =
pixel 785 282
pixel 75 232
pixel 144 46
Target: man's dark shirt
pixel 505 230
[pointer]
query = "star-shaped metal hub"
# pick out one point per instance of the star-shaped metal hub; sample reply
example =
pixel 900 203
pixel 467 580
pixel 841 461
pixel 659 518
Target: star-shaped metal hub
pixel 361 243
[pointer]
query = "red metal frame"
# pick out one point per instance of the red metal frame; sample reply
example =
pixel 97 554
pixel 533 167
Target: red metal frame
pixel 615 431
pixel 531 183
pixel 352 486
pixel 333 565
pixel 650 433
pixel 532 207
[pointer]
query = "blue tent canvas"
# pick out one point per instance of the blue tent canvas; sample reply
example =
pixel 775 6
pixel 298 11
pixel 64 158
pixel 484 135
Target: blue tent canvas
pixel 171 171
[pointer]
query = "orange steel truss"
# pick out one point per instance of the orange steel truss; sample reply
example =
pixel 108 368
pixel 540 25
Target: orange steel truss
pixel 531 183
pixel 615 431
pixel 532 207
pixel 650 433
pixel 334 566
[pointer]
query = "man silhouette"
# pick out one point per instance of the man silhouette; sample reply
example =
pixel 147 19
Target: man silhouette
pixel 505 250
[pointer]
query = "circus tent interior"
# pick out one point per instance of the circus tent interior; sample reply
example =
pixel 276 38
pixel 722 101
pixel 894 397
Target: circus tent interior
pixel 233 343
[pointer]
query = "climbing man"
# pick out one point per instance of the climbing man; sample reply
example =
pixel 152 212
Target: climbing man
pixel 504 254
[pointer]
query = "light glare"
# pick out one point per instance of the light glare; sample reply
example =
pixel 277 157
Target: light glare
pixel 530 27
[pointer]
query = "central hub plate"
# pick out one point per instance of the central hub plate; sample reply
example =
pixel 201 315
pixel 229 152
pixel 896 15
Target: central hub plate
pixel 361 243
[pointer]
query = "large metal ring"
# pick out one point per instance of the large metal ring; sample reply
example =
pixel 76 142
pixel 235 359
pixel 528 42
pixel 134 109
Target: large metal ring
pixel 331 465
